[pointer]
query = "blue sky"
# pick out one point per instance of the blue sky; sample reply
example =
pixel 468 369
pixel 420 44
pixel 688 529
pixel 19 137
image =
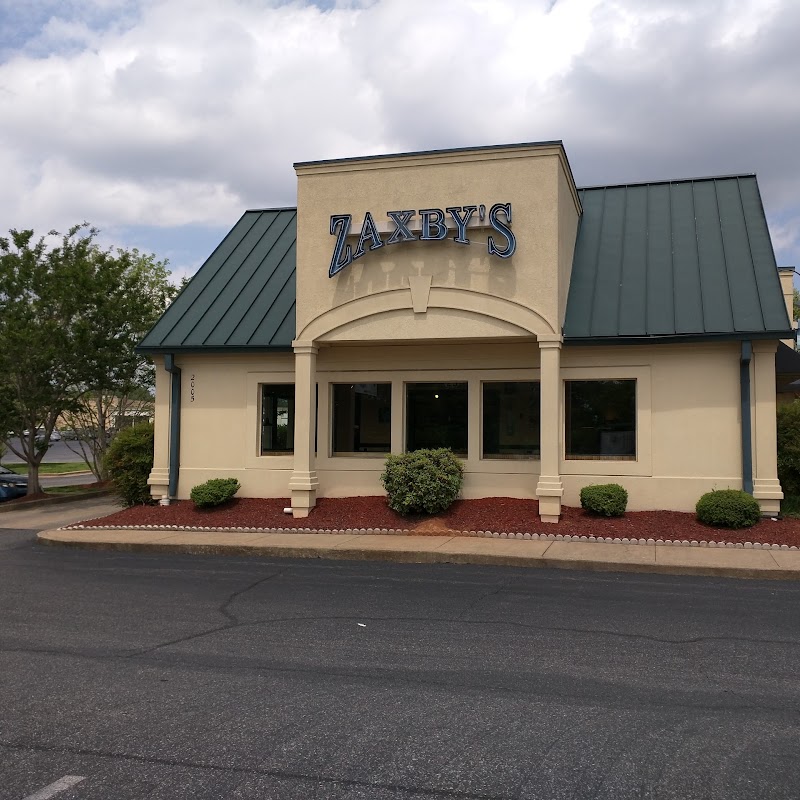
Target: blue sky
pixel 160 121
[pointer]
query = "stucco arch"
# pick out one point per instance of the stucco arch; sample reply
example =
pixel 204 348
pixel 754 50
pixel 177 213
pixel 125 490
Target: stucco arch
pixel 505 316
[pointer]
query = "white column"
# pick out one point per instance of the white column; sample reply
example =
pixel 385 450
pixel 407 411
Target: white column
pixel 766 488
pixel 550 489
pixel 304 482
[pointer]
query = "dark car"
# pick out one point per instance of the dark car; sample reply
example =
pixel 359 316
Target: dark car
pixel 12 485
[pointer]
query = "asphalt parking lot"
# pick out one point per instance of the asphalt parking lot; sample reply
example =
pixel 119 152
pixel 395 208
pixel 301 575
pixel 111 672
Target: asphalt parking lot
pixel 153 676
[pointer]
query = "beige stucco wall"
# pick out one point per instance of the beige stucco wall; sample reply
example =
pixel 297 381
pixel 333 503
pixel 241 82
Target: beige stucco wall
pixel 220 423
pixel 370 300
pixel 786 275
pixel 687 407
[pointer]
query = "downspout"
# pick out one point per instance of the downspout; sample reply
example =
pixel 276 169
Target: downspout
pixel 747 428
pixel 174 426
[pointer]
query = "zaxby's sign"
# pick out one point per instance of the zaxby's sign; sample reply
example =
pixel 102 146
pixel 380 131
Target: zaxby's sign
pixel 432 224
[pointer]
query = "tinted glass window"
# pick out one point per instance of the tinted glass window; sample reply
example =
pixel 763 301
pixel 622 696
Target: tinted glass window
pixel 277 419
pixel 362 418
pixel 436 416
pixel 511 419
pixel 601 419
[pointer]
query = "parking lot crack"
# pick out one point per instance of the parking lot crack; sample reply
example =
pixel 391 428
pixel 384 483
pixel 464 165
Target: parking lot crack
pixel 224 609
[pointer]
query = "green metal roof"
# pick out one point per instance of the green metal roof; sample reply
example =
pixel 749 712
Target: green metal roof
pixel 669 260
pixel 243 297
pixel 654 262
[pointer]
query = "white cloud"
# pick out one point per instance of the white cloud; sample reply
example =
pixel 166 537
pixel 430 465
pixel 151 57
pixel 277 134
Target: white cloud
pixel 168 112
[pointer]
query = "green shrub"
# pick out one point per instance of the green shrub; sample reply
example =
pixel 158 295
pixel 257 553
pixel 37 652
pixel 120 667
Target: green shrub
pixel 789 447
pixel 214 492
pixel 728 508
pixel 604 499
pixel 129 461
pixel 423 481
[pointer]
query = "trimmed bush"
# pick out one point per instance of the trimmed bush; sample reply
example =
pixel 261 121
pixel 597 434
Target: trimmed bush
pixel 214 492
pixel 728 508
pixel 423 481
pixel 129 461
pixel 604 499
pixel 789 447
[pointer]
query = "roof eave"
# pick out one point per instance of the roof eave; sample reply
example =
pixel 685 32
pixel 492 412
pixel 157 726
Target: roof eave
pixel 677 338
pixel 202 349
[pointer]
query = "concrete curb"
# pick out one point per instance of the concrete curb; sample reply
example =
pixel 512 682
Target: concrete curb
pixel 686 560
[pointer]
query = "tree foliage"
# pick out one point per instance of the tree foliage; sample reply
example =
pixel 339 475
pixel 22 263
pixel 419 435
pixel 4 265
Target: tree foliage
pixel 788 423
pixel 71 314
pixel 130 461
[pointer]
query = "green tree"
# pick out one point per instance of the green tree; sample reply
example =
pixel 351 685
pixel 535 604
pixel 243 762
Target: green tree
pixel 71 314
pixel 133 291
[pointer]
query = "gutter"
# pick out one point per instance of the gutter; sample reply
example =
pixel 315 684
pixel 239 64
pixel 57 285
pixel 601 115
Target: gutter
pixel 174 426
pixel 747 432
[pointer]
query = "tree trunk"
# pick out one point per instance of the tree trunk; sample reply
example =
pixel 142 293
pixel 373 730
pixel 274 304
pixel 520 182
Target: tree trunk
pixel 33 478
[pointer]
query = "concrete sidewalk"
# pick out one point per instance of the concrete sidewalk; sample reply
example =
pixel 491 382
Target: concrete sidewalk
pixel 599 556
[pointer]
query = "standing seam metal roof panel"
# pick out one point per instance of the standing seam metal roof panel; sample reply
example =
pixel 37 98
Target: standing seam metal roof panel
pixel 675 259
pixel 653 261
pixel 243 297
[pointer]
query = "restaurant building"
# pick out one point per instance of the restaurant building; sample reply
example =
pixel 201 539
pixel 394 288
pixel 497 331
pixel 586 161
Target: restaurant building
pixel 475 299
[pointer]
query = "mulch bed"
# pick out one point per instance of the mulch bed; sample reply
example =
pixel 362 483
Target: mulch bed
pixel 496 514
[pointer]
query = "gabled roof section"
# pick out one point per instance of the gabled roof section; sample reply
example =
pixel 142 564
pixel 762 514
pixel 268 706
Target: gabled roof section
pixel 668 260
pixel 243 297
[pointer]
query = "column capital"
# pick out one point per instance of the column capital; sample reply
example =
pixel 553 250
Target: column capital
pixel 765 345
pixel 304 347
pixel 550 341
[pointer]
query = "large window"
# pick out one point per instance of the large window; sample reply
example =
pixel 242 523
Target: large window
pixel 601 419
pixel 277 419
pixel 436 416
pixel 362 418
pixel 511 419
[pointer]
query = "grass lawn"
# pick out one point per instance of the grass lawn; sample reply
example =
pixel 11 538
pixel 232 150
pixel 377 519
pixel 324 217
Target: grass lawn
pixel 57 468
pixel 65 490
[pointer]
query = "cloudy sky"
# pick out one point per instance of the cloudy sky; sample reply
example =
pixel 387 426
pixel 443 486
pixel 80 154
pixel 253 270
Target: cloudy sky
pixel 160 121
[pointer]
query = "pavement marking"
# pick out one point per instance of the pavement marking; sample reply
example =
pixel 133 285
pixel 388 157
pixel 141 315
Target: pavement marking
pixel 54 788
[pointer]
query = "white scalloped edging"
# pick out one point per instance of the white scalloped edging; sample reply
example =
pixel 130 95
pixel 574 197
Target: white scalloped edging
pixel 551 537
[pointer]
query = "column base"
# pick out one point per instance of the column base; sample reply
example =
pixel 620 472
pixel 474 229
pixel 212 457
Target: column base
pixel 769 494
pixel 303 487
pixel 549 490
pixel 158 481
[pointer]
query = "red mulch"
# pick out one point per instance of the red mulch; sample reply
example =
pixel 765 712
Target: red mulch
pixel 497 514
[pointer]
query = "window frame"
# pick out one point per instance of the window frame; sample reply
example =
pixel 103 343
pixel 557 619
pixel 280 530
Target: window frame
pixel 380 454
pixel 534 457
pixel 465 455
pixel 567 422
pixel 642 465
pixel 263 386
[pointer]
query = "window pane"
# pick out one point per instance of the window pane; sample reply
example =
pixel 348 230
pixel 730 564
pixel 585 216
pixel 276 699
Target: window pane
pixel 436 416
pixel 362 417
pixel 511 419
pixel 277 419
pixel 601 419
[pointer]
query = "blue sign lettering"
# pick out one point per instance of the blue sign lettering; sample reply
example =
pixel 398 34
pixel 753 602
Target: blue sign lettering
pixel 502 229
pixel 342 254
pixel 401 232
pixel 368 233
pixel 462 222
pixel 432 227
